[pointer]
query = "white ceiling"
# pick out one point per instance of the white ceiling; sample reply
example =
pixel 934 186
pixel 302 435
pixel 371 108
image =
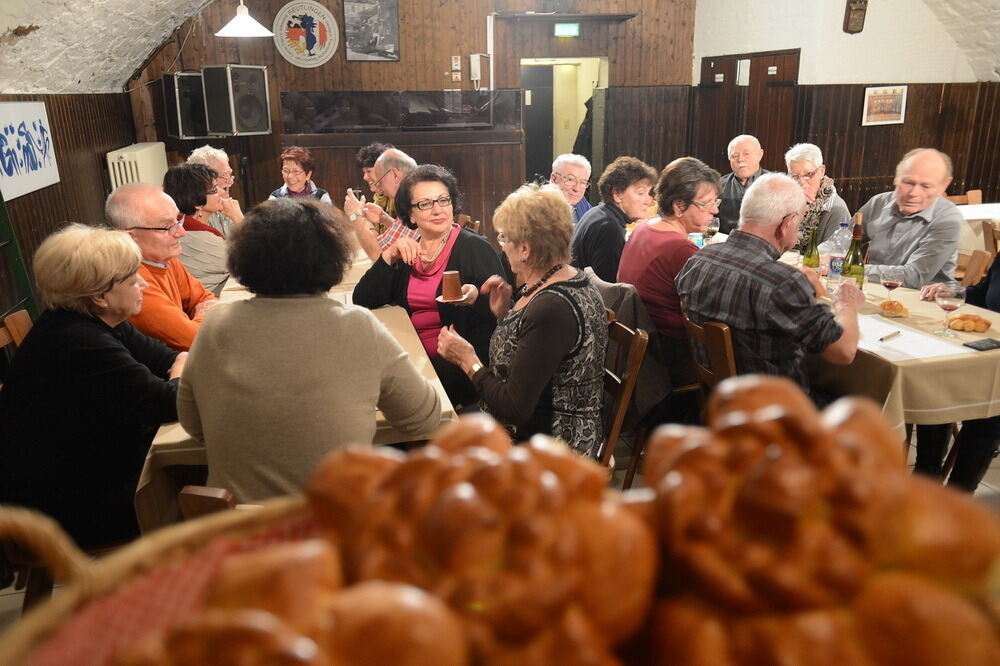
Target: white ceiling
pixel 95 46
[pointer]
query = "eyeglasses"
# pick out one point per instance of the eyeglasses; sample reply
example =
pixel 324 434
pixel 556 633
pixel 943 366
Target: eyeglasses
pixel 170 229
pixel 225 175
pixel 572 181
pixel 387 171
pixel 714 203
pixel 427 204
pixel 804 176
pixel 501 239
pixel 292 172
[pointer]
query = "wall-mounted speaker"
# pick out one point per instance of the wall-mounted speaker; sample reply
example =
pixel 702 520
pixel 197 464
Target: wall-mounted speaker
pixel 236 99
pixel 184 103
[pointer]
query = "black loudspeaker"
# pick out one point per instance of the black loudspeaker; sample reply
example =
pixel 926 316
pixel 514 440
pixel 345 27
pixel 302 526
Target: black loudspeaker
pixel 184 102
pixel 236 99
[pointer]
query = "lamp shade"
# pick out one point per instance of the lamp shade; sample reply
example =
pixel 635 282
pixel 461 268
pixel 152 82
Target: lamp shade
pixel 243 25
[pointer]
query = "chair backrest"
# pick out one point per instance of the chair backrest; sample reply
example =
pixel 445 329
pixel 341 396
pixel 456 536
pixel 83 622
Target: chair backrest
pixel 466 222
pixel 197 501
pixel 17 323
pixel 718 342
pixel 619 381
pixel 991 238
pixel 971 197
pixel 975 268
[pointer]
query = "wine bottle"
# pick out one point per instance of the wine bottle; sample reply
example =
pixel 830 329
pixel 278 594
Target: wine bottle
pixel 810 258
pixel 854 262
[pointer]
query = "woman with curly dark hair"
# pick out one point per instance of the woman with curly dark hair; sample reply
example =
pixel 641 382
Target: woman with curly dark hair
pixel 203 252
pixel 277 381
pixel 409 272
pixel 626 188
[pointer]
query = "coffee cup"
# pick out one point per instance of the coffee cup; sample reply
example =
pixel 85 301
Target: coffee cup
pixel 451 286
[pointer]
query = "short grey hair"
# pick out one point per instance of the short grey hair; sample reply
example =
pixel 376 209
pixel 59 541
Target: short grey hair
pixel 804 152
pixel 207 155
pixel 769 199
pixel 394 158
pixel 741 137
pixel 120 209
pixel 571 158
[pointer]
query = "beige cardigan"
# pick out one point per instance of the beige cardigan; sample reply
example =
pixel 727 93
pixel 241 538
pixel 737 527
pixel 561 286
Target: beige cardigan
pixel 273 384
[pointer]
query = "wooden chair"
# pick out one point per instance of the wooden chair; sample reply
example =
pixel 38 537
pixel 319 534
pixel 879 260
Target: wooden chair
pixel 198 501
pixel 718 342
pixel 620 383
pixel 17 323
pixel 970 198
pixel 971 268
pixel 466 222
pixel 991 238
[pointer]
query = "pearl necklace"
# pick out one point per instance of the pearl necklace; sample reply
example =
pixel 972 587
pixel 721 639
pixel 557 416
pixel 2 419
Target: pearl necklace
pixel 437 252
pixel 528 291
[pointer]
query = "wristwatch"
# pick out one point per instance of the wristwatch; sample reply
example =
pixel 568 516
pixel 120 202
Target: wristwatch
pixel 353 216
pixel 476 367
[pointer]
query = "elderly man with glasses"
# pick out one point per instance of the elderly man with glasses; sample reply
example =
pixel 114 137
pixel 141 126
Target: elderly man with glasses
pixel 770 307
pixel 231 215
pixel 174 303
pixel 571 173
pixel 387 173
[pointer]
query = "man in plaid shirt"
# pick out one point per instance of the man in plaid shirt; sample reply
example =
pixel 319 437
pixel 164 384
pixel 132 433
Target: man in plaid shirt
pixel 769 306
pixel 389 170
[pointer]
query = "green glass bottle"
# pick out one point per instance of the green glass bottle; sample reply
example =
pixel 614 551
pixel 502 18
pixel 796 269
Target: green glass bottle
pixel 854 262
pixel 810 258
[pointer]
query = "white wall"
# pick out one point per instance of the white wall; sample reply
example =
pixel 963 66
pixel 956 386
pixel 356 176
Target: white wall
pixel 902 41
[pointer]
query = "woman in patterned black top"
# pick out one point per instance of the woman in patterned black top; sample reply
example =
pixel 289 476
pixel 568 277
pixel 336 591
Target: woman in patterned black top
pixel 547 352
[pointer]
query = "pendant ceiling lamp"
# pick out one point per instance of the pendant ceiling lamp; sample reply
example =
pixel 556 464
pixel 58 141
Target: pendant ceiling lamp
pixel 243 25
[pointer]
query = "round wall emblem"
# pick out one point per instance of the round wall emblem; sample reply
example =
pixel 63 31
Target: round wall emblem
pixel 305 33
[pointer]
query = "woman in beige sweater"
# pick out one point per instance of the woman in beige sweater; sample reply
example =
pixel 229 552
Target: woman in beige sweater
pixel 275 382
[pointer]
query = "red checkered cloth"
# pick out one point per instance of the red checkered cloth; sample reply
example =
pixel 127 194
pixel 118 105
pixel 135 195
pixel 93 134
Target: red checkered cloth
pixel 153 602
pixel 395 232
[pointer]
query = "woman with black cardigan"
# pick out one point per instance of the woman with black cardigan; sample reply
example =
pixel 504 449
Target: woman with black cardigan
pixel 409 273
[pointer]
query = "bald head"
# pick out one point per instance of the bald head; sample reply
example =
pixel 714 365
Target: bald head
pixel 390 168
pixel 745 155
pixel 772 209
pixel 125 206
pixel 922 176
pixel 149 216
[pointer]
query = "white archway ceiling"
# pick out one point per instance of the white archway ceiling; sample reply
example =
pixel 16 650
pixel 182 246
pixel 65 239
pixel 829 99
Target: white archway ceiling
pixel 59 46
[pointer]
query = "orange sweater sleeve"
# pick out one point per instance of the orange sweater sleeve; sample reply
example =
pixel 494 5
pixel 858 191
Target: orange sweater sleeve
pixel 169 303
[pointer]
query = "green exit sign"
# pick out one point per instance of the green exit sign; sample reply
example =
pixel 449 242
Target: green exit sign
pixel 567 29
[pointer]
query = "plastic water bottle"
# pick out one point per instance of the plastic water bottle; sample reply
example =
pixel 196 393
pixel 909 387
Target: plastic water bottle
pixel 835 246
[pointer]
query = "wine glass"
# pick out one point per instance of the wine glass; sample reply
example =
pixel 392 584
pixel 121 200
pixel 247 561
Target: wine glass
pixel 711 229
pixel 949 297
pixel 892 278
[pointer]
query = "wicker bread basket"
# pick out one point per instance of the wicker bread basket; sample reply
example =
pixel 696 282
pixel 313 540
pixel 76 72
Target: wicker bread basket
pixel 88 580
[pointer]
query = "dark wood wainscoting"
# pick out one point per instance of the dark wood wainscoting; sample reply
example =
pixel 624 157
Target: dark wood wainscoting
pixel 84 129
pixel 648 122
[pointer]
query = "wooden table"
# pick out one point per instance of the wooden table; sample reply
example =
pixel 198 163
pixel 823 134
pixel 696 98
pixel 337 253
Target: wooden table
pixel 951 387
pixel 156 494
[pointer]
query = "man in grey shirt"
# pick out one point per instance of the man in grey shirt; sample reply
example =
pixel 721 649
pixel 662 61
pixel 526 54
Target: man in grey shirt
pixel 745 155
pixel 914 227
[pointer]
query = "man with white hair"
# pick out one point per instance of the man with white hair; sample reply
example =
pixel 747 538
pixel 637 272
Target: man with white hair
pixel 388 172
pixel 571 173
pixel 745 155
pixel 231 215
pixel 914 227
pixel 769 306
pixel 174 302
pixel 825 210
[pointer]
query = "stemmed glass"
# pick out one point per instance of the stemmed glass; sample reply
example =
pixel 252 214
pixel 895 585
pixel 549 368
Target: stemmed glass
pixel 892 278
pixel 711 229
pixel 949 297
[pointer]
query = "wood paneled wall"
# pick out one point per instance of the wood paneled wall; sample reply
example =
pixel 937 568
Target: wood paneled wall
pixel 84 129
pixel 650 123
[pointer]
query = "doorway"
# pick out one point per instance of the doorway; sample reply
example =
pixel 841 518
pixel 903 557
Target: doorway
pixel 749 93
pixel 556 116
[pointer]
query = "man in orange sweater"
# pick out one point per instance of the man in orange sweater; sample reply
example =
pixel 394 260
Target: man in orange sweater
pixel 174 303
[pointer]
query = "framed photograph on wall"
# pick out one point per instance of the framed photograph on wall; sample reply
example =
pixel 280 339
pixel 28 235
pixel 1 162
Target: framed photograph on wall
pixel 371 29
pixel 884 105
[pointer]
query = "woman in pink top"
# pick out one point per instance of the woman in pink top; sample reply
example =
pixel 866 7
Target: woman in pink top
pixel 408 273
pixel 687 196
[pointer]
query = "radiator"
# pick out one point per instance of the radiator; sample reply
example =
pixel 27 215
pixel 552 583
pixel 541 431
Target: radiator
pixel 138 163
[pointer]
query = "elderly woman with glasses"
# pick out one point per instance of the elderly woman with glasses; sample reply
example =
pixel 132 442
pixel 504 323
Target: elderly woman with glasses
pixel 297 170
pixel 203 252
pixel 268 410
pixel 626 192
pixel 85 391
pixel 546 372
pixel 687 197
pixel 409 272
pixel 825 209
